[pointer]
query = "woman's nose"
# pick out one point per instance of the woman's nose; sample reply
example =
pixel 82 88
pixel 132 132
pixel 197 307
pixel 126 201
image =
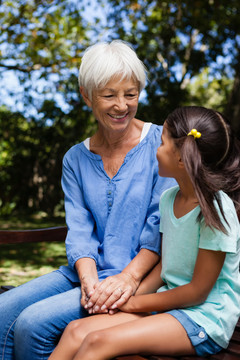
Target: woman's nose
pixel 121 103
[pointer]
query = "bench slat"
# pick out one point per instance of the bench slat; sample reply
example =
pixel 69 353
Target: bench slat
pixel 36 235
pixel 224 356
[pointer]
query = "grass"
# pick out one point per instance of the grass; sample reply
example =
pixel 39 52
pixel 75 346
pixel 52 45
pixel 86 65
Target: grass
pixel 20 263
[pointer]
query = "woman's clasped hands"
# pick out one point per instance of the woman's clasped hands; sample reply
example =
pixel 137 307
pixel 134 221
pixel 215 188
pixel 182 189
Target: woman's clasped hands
pixel 110 294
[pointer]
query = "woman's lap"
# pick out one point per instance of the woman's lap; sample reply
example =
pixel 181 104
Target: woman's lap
pixel 39 311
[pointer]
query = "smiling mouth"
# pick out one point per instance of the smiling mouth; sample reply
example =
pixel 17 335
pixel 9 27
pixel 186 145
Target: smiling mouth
pixel 119 117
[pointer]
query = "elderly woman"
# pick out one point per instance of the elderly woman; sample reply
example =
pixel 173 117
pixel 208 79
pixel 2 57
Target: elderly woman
pixel 112 189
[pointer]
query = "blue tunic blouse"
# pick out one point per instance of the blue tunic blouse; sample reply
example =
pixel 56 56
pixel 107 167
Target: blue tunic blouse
pixel 111 219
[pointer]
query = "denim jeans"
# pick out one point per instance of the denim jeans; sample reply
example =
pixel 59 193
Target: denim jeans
pixel 34 315
pixel 202 343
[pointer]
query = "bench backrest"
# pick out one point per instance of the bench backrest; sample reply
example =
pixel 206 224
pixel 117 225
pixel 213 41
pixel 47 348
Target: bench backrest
pixel 37 235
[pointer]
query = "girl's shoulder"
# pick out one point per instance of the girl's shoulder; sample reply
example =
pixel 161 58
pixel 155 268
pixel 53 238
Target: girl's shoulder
pixel 229 211
pixel 168 196
pixel 223 241
pixel 227 203
pixel 171 192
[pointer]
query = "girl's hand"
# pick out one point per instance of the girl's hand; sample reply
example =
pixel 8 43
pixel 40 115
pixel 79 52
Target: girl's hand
pixel 112 293
pixel 128 306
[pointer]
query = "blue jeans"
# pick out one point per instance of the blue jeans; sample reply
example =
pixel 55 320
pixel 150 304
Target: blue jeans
pixel 34 315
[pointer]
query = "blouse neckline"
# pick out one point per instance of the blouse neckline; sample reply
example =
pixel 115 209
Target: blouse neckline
pixel 144 133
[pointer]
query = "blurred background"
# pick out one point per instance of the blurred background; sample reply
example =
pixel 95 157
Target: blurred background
pixel 190 48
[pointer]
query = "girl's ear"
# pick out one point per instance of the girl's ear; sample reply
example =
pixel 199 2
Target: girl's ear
pixel 180 163
pixel 85 96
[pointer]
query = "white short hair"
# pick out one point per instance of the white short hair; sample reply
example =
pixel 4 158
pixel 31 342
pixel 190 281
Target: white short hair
pixel 103 61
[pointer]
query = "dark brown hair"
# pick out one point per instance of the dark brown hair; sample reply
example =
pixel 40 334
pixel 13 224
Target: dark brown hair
pixel 211 161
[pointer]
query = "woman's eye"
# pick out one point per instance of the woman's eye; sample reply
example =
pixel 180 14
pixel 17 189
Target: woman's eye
pixel 107 96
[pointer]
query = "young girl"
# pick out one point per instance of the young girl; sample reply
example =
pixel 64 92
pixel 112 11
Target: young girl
pixel 197 304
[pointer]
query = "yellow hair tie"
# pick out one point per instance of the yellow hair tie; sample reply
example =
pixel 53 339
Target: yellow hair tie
pixel 195 133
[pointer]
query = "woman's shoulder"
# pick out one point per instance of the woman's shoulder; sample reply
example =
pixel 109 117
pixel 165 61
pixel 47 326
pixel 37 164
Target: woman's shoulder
pixel 152 133
pixel 74 149
pixel 156 128
pixel 75 152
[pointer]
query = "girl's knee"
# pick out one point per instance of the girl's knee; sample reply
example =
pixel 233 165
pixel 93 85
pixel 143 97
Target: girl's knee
pixel 96 339
pixel 76 331
pixel 94 345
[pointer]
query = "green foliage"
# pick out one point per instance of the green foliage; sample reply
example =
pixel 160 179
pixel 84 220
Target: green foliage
pixel 211 92
pixel 191 50
pixel 31 157
pixel 43 38
pixel 42 42
pixel 177 41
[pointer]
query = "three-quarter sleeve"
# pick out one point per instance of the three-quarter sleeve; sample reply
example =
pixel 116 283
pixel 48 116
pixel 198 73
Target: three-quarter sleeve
pixel 150 236
pixel 81 240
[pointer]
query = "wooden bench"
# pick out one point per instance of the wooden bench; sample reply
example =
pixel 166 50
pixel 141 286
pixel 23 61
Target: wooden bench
pixel 31 236
pixel 59 234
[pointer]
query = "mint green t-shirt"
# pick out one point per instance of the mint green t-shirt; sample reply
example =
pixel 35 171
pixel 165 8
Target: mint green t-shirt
pixel 181 240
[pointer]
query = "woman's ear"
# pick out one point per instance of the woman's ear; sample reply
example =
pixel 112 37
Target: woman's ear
pixel 85 96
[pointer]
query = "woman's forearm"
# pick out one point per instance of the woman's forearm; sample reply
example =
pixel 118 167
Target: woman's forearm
pixel 140 266
pixel 86 267
pixel 88 276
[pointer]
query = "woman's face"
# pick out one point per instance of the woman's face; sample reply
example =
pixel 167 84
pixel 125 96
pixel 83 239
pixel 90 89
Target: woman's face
pixel 115 105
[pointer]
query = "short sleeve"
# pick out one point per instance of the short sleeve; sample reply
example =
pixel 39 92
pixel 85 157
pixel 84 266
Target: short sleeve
pixel 213 239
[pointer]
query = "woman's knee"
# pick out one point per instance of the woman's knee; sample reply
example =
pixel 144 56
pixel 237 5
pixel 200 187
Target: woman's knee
pixel 26 323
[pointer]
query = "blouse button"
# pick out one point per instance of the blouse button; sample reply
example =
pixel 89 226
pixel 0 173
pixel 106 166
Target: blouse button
pixel 201 334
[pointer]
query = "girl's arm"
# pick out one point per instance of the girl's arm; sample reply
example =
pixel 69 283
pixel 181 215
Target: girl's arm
pixel 207 269
pixel 152 281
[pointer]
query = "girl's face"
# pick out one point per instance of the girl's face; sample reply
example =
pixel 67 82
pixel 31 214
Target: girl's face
pixel 115 105
pixel 167 155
